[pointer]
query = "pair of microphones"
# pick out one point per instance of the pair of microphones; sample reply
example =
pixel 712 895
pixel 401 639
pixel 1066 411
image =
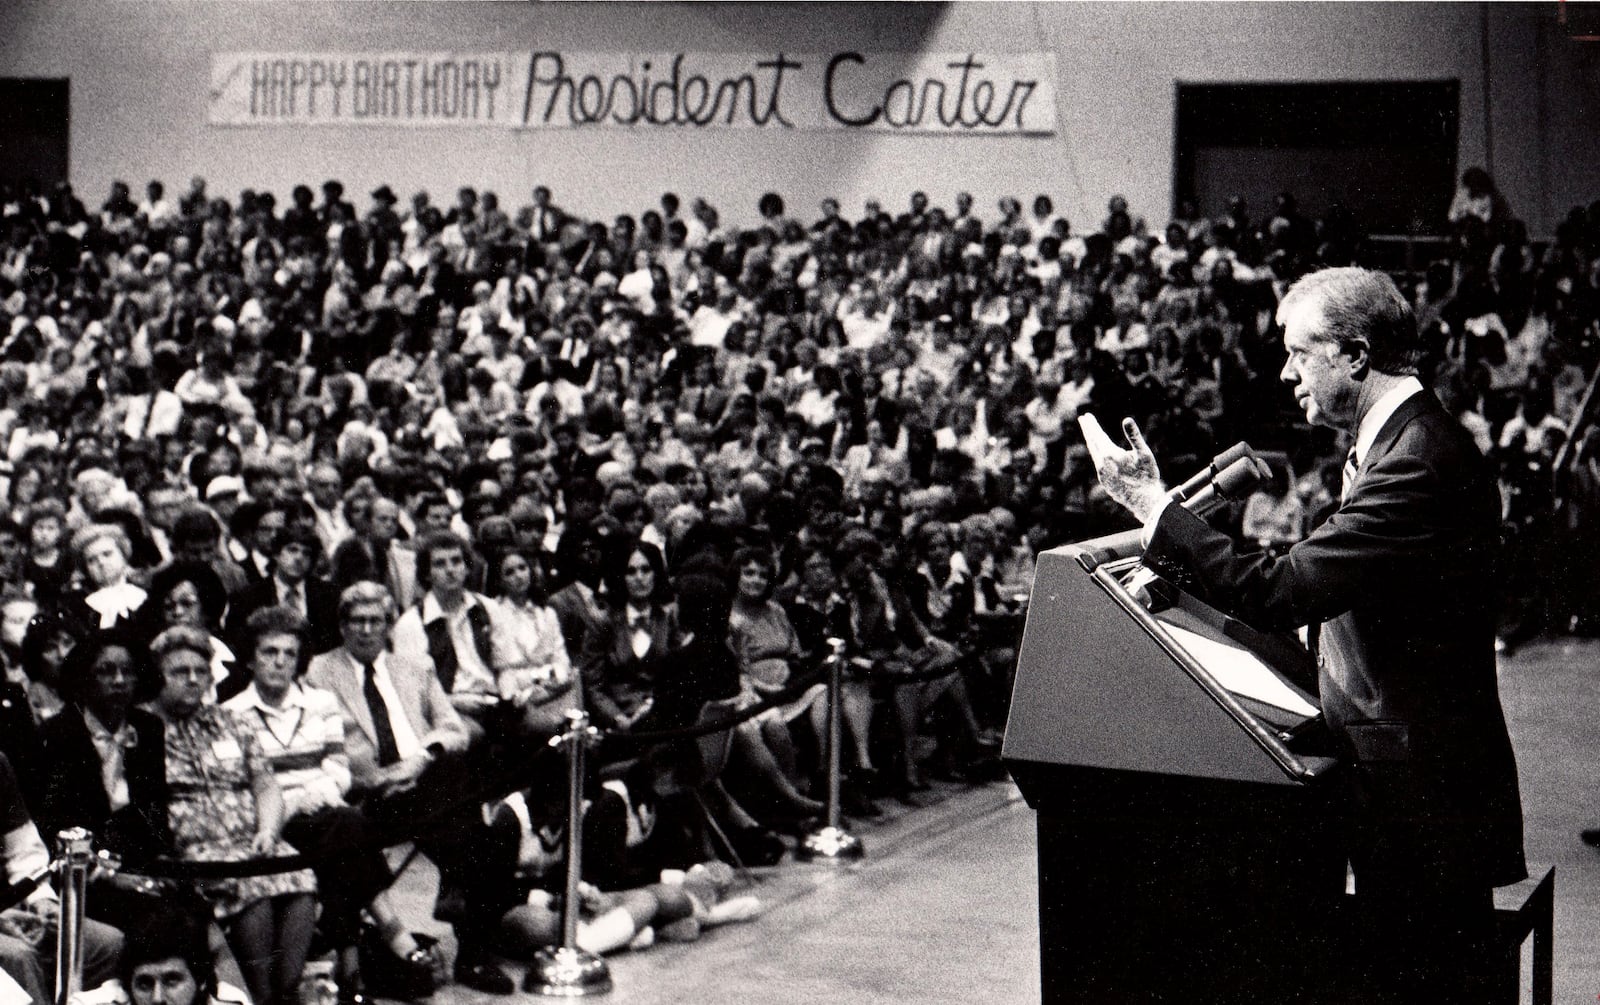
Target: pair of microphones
pixel 1230 476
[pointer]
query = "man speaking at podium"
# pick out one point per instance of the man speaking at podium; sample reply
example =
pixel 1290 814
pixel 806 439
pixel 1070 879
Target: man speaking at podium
pixel 1398 593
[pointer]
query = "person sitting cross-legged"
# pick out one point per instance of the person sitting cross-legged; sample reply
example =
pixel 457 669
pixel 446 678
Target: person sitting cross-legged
pixel 411 773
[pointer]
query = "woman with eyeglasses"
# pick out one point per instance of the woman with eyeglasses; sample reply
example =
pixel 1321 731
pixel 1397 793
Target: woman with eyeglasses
pixel 107 756
pixel 189 594
pixel 226 805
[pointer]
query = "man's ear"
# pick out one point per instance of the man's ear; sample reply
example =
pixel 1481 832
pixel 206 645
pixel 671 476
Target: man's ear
pixel 1360 360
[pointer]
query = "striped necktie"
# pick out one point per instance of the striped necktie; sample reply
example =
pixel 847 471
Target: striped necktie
pixel 1349 476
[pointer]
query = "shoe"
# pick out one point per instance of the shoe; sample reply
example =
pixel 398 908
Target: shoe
pixel 914 796
pixel 856 804
pixel 1590 837
pixel 386 975
pixel 868 781
pixel 758 846
pixel 485 977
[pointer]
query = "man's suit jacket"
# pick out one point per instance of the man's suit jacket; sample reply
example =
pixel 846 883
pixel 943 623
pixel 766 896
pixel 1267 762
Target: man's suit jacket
pixel 425 704
pixel 579 620
pixel 322 610
pixel 1401 580
pixel 354 561
pixel 75 796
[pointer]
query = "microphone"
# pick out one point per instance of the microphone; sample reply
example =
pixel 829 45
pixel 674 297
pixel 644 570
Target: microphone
pixel 1208 473
pixel 1233 482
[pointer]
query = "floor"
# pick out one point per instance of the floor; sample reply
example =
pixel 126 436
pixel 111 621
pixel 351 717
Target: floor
pixel 943 907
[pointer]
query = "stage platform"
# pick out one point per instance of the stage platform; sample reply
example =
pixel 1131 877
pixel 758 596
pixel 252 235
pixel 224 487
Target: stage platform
pixel 944 907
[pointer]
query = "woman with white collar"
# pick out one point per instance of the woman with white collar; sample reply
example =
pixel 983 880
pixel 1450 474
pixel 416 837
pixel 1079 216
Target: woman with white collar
pixel 109 597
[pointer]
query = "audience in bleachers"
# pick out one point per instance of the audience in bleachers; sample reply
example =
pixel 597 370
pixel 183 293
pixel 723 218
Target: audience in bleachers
pixel 478 468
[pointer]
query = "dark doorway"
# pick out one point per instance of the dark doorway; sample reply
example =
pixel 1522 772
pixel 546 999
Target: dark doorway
pixel 34 130
pixel 1385 151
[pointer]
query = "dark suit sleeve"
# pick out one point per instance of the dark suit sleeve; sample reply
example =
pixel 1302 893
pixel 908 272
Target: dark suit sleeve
pixel 1408 527
pixel 593 667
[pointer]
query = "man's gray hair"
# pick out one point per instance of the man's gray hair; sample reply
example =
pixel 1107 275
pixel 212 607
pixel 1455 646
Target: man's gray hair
pixel 362 594
pixel 1362 309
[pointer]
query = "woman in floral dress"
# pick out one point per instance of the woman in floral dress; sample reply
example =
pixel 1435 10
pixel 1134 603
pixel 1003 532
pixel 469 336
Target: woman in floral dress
pixel 226 806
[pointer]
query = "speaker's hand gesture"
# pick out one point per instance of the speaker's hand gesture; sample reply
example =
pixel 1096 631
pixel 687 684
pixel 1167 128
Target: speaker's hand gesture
pixel 1128 476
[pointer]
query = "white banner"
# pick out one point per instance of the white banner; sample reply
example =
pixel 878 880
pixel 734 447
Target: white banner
pixel 409 89
pixel 959 94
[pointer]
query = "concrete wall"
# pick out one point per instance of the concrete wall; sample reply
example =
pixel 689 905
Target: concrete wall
pixel 139 73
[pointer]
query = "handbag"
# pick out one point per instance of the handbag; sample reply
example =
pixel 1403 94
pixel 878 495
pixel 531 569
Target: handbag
pixel 385 975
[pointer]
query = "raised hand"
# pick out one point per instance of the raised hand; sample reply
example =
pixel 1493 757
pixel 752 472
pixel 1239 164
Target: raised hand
pixel 1131 477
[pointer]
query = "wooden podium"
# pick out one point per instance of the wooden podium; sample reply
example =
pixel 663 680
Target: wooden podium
pixel 1189 847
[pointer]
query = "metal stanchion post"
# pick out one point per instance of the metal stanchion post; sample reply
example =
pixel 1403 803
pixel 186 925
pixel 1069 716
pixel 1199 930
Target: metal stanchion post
pixel 832 843
pixel 77 856
pixel 567 971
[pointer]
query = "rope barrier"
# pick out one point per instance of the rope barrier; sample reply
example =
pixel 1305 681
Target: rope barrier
pixel 790 692
pixel 388 837
pixel 384 837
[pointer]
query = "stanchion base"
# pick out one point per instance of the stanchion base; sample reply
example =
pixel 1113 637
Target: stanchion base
pixel 567 973
pixel 830 844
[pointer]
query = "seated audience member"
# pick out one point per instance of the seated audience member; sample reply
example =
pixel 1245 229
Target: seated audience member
pixel 166 961
pixel 295 551
pixel 407 764
pixel 188 594
pixel 226 806
pixel 301 732
pixel 48 568
pixel 1274 516
pixel 539 678
pixel 462 633
pixel 109 596
pixel 580 567
pixel 29 930
pixel 197 537
pixel 942 595
pixel 706 682
pixel 768 650
pixel 50 637
pixel 627 653
pixel 108 768
pixel 374 553
pixel 821 616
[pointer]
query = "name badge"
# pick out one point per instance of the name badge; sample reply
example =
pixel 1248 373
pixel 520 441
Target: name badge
pixel 227 749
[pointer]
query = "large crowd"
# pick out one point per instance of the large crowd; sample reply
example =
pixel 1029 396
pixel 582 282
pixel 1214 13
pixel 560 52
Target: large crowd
pixel 317 517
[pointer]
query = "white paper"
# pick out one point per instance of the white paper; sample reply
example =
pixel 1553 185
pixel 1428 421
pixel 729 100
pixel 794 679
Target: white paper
pixel 1240 671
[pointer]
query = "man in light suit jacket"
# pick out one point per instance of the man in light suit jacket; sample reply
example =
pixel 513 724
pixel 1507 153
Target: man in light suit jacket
pixel 409 767
pixel 1397 588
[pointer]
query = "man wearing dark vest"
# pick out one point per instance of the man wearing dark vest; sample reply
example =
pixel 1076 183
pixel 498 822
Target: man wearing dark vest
pixel 458 630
